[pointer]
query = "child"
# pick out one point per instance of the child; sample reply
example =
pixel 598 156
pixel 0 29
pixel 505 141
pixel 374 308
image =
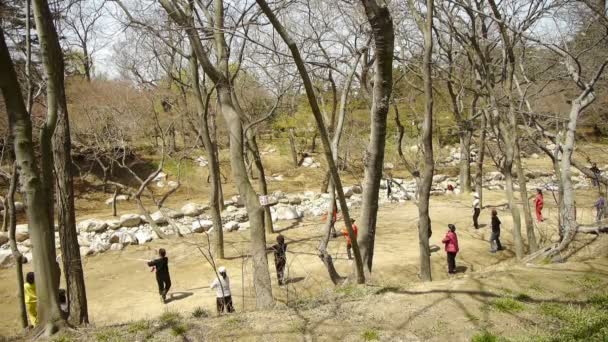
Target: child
pixel 221 284
pixel 161 266
pixel 280 259
pixel 539 201
pixel 30 298
pixel 476 210
pixel 495 237
pixel 348 241
pixel 451 247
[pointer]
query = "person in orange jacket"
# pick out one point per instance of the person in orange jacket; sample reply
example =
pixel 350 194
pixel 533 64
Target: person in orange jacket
pixel 348 241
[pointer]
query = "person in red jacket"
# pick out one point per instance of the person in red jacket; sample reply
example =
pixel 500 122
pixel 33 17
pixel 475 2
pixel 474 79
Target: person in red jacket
pixel 539 201
pixel 451 247
pixel 348 242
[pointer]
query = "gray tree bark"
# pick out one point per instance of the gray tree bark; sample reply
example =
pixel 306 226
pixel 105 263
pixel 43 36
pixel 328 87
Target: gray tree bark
pixel 381 22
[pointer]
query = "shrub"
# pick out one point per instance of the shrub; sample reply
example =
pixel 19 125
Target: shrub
pixel 484 336
pixel 507 305
pixel 200 313
pixel 370 335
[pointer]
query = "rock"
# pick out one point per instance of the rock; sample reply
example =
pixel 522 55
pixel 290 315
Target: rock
pixel 85 251
pixel 20 237
pixel 192 209
pixel 160 177
pixel 357 189
pixel 173 214
pixel 119 198
pixel 158 218
pixel 202 161
pixel 99 246
pixel 6 258
pixel 231 209
pixel 495 175
pixel 244 226
pixel 19 207
pixel 231 226
pixel 287 213
pixel 3 238
pixel 92 225
pixel 389 166
pixel 348 192
pixel 143 237
pixel 414 148
pixel 279 195
pixel 238 201
pixel 160 184
pixel 200 226
pixel 130 220
pixel 83 241
pixel 22 228
pixel 127 238
pixel 295 201
pixel 172 184
pixel 439 178
pixel 308 162
pixel 534 156
pixel 116 247
pixel 113 224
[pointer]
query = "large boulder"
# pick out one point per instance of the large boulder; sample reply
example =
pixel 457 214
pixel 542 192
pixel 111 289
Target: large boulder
pixel 3 238
pixel 173 214
pixel 439 178
pixel 99 246
pixel 116 247
pixel 143 236
pixel 92 225
pixel 6 258
pixel 200 226
pixel 192 209
pixel 130 220
pixel 287 213
pixel 113 224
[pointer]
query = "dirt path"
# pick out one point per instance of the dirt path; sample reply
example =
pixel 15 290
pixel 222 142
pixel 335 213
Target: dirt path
pixel 121 288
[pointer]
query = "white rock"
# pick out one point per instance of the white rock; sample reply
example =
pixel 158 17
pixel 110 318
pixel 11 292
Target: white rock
pixel 495 175
pixel 183 229
pixel 357 189
pixel 160 184
pixel 113 224
pixel 244 226
pixel 287 213
pixel 116 247
pixel 143 237
pixel 202 161
pixel 192 209
pixel 389 166
pixel 231 226
pixel 534 156
pixel 158 218
pixel 439 178
pixel 6 258
pixel 85 251
pixel 92 225
pixel 22 228
pixel 174 214
pixel 348 192
pixel 200 226
pixel 127 238
pixel 308 162
pixel 161 176
pixel 130 220
pixel 172 184
pixel 19 207
pixel 83 241
pixel 99 246
pixel 119 198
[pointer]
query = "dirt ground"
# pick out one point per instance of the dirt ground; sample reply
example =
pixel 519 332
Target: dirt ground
pixel 120 287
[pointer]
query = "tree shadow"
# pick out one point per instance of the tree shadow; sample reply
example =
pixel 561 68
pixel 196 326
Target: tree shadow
pixel 434 249
pixel 175 296
pixel 461 269
pixel 292 225
pixel 482 225
pixel 293 280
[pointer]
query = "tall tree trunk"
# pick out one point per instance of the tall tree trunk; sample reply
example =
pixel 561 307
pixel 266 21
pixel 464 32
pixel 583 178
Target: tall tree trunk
pixel 465 160
pixel 214 197
pixel 37 198
pixel 10 221
pixel 480 158
pixel 523 190
pixel 312 100
pixel 381 22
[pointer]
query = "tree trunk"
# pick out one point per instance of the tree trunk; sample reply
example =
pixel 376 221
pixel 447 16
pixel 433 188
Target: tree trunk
pixel 10 221
pixel 292 144
pixel 381 22
pixel 424 220
pixel 465 160
pixel 261 274
pixel 521 179
pixel 312 100
pixel 480 157
pixel 37 198
pixel 253 147
pixel 214 196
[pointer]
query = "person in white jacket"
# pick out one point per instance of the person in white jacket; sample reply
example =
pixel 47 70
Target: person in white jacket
pixel 221 285
pixel 476 210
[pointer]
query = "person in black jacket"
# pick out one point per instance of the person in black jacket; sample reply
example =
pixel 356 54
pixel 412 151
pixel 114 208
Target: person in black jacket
pixel 495 237
pixel 161 266
pixel 280 258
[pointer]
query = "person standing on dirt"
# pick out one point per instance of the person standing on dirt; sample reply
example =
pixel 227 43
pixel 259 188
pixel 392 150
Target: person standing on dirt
pixel 539 201
pixel 280 258
pixel 451 247
pixel 31 300
pixel 348 241
pixel 161 266
pixel 600 207
pixel 221 285
pixel 476 210
pixel 495 244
